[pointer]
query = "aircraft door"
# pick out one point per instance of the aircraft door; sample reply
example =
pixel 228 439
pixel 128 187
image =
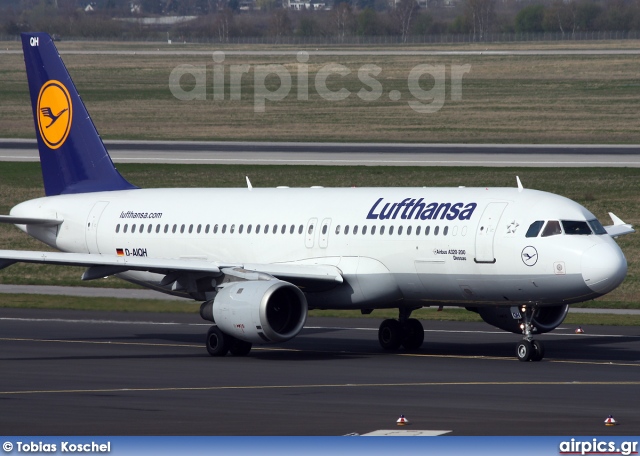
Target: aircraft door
pixel 309 240
pixel 91 234
pixel 486 232
pixel 325 228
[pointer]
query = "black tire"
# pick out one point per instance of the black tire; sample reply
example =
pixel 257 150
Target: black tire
pixel 524 350
pixel 240 347
pixel 413 334
pixel 217 342
pixel 390 334
pixel 538 351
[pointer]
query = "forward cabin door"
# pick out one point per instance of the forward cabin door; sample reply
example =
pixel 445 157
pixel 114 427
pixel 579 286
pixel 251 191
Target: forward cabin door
pixel 486 232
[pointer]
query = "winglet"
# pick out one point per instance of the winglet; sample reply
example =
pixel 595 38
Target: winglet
pixel 619 228
pixel 520 187
pixel 249 186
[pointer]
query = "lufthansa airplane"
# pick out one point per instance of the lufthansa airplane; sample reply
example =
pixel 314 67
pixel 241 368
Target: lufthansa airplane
pixel 259 258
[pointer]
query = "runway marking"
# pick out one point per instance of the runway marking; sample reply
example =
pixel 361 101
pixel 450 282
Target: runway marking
pixel 318 385
pixel 339 352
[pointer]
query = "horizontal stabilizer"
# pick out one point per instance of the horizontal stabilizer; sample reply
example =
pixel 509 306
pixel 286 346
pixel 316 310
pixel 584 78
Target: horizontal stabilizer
pixel 29 221
pixel 619 228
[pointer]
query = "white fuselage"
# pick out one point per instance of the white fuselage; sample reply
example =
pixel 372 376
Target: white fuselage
pixel 394 246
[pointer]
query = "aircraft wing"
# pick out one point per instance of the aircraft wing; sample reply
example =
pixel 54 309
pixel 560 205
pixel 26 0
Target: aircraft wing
pixel 99 266
pixel 619 228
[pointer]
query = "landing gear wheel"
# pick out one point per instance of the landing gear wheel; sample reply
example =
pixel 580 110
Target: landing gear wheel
pixel 524 350
pixel 240 347
pixel 538 351
pixel 217 342
pixel 390 334
pixel 413 334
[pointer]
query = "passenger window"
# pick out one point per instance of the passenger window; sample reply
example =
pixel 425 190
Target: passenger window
pixel 118 228
pixel 240 229
pixel 199 229
pixel 373 229
pixel 292 229
pixel 446 231
pixel 175 227
pixel 390 230
pixel 346 229
pixel 355 229
pixel 126 227
pixel 399 230
pixel 166 228
pixel 597 227
pixel 190 229
pixel 571 227
pixel 158 228
pixel 249 229
pixel 408 230
pixel 426 230
pixel 300 229
pixel 324 229
pixel 133 228
pixel 552 228
pixel 534 229
pixel 141 228
pixel 275 229
pixel 206 229
pixel 436 230
pixel 338 229
pixel 215 229
pixel 364 229
pixel 382 230
pixel 232 229
pixel 224 228
pixel 258 229
pixel 266 229
pixel 182 229
pixel 149 228
pixel 418 231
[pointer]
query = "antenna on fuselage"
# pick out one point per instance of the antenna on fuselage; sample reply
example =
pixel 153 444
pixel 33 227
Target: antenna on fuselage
pixel 520 187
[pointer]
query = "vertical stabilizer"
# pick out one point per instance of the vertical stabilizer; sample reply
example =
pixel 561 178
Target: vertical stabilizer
pixel 72 155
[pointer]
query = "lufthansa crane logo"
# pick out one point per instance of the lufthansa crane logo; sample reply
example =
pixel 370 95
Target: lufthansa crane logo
pixel 529 256
pixel 54 114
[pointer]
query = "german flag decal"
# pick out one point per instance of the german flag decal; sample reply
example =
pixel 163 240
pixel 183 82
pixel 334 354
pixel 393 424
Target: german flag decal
pixel 120 252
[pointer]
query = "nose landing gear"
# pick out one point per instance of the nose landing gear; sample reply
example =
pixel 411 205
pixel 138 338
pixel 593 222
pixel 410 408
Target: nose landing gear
pixel 528 349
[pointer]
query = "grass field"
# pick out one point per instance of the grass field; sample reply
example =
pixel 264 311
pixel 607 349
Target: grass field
pixel 505 99
pixel 599 189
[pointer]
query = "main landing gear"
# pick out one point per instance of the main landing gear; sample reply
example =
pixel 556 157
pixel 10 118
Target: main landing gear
pixel 404 331
pixel 528 349
pixel 219 344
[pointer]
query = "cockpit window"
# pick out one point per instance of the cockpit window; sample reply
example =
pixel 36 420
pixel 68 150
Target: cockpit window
pixel 535 228
pixel 573 227
pixel 552 228
pixel 596 226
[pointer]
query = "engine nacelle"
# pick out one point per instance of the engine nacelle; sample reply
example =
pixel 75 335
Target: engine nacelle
pixel 545 319
pixel 259 311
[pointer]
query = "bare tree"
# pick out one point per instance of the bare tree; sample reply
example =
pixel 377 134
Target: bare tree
pixel 404 13
pixel 223 24
pixel 482 14
pixel 343 19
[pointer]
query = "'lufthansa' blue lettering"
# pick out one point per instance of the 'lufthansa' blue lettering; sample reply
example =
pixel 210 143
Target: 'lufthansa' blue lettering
pixel 410 208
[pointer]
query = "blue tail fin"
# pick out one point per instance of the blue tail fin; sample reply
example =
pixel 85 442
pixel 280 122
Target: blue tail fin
pixel 72 155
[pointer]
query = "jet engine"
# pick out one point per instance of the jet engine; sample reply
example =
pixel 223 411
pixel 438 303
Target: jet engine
pixel 545 318
pixel 259 311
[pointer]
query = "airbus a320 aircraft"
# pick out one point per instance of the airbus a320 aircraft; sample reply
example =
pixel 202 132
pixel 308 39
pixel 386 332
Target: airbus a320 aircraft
pixel 259 258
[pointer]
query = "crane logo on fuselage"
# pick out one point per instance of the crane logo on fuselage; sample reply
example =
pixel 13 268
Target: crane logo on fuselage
pixel 410 208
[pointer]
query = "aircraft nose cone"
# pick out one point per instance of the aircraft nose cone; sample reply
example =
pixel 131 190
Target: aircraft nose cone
pixel 603 267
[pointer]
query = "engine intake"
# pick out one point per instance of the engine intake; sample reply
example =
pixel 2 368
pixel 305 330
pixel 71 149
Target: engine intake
pixel 545 319
pixel 258 311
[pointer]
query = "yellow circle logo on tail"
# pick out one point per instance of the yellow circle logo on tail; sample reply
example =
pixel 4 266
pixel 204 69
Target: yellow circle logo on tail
pixel 54 114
